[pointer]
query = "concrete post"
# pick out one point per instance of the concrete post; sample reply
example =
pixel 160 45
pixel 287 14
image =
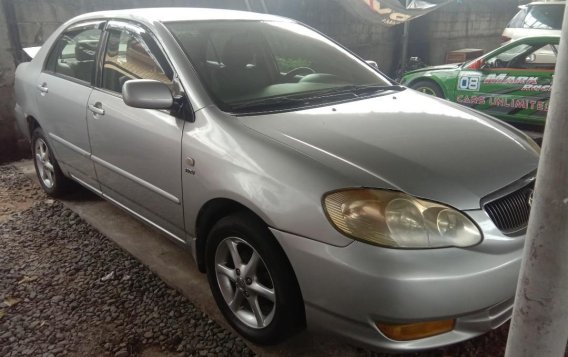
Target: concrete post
pixel 540 317
pixel 405 32
pixel 12 27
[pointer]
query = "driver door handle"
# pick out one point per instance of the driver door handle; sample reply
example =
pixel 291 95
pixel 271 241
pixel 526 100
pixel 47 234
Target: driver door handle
pixel 97 108
pixel 43 88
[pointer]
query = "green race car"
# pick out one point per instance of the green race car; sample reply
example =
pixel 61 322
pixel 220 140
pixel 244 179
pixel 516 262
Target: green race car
pixel 512 83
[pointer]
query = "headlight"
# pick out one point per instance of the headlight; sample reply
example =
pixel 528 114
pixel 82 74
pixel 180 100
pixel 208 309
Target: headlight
pixel 395 219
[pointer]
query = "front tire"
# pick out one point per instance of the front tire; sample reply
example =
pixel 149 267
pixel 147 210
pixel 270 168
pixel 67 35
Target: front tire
pixel 428 87
pixel 252 281
pixel 51 179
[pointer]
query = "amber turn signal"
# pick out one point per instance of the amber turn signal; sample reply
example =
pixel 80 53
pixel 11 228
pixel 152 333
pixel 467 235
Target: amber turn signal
pixel 415 331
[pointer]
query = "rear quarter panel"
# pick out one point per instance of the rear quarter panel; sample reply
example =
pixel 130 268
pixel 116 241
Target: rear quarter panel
pixel 26 81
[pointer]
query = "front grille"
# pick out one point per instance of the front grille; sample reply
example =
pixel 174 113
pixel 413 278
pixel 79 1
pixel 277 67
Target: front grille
pixel 510 213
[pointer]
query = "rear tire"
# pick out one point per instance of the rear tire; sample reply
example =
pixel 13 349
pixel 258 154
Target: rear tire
pixel 428 87
pixel 252 281
pixel 51 179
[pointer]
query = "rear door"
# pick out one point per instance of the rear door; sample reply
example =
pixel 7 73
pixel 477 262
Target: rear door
pixel 513 84
pixel 137 152
pixel 63 89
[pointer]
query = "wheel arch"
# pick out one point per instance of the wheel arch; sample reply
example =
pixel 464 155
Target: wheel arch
pixel 214 210
pixel 33 123
pixel 209 214
pixel 430 79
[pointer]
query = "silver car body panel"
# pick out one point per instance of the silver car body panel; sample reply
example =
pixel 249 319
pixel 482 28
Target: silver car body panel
pixel 349 297
pixel 138 159
pixel 447 162
pixel 165 170
pixel 67 124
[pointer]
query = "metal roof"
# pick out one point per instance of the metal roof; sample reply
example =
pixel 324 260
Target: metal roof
pixel 173 14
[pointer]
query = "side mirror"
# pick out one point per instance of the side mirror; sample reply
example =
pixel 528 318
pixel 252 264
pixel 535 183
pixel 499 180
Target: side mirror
pixel 372 64
pixel 147 94
pixel 477 64
pixel 531 58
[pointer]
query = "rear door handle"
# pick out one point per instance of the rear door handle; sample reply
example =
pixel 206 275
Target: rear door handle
pixel 43 88
pixel 97 108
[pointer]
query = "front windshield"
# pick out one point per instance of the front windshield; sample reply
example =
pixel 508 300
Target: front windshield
pixel 243 63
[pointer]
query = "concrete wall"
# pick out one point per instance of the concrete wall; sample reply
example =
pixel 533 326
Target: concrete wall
pixel 471 23
pixel 7 67
pixel 465 24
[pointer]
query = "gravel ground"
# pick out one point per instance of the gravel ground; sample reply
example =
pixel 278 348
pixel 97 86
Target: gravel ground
pixel 67 290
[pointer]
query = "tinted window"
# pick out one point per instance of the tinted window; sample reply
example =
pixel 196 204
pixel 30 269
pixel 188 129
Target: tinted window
pixel 545 17
pixel 525 57
pixel 241 62
pixel 74 54
pixel 128 57
pixel 518 20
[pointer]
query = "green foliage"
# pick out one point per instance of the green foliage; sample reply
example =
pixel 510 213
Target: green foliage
pixel 288 64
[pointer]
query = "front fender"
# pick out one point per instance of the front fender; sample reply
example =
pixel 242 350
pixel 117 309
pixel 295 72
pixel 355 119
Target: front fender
pixel 281 185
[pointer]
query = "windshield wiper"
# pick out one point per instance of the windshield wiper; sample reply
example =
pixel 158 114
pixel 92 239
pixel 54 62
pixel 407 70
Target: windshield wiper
pixel 267 102
pixel 368 89
pixel 293 99
pixel 303 99
pixel 357 90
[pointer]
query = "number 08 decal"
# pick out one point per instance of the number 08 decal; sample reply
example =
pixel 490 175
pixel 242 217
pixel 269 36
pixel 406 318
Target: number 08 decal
pixel 469 82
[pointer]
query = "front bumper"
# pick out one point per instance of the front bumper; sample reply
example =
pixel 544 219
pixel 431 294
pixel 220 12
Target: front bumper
pixel 347 290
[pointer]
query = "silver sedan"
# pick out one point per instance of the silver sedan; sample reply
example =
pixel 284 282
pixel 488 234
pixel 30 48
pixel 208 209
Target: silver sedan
pixel 310 188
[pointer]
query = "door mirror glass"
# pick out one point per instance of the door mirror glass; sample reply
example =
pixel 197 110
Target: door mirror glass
pixel 147 94
pixel 530 58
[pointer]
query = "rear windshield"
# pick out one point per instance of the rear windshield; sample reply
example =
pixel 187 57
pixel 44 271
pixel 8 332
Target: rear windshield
pixel 544 17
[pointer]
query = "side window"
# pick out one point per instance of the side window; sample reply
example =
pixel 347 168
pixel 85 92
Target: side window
pixel 74 54
pixel 543 58
pixel 128 57
pixel 518 20
pixel 525 57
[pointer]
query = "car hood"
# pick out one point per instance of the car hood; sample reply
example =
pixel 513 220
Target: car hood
pixel 436 68
pixel 407 141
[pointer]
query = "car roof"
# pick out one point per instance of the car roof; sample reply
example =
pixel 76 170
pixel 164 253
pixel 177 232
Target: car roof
pixel 536 38
pixel 546 3
pixel 175 14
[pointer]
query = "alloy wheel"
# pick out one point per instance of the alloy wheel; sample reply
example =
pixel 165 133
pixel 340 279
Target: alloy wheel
pixel 426 90
pixel 45 167
pixel 245 283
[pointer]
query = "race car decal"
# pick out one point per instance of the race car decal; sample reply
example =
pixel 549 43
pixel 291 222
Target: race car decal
pixel 503 102
pixel 469 82
pixel 537 88
pixel 505 79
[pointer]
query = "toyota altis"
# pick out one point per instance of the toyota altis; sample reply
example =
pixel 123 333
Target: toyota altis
pixel 311 189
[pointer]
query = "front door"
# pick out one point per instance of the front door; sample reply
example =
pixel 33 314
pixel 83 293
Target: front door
pixel 63 89
pixel 137 152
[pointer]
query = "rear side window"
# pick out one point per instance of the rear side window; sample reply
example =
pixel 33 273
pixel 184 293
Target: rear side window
pixel 74 54
pixel 519 19
pixel 544 17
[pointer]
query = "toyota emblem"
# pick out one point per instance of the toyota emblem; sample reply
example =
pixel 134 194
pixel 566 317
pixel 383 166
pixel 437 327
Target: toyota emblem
pixel 530 198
